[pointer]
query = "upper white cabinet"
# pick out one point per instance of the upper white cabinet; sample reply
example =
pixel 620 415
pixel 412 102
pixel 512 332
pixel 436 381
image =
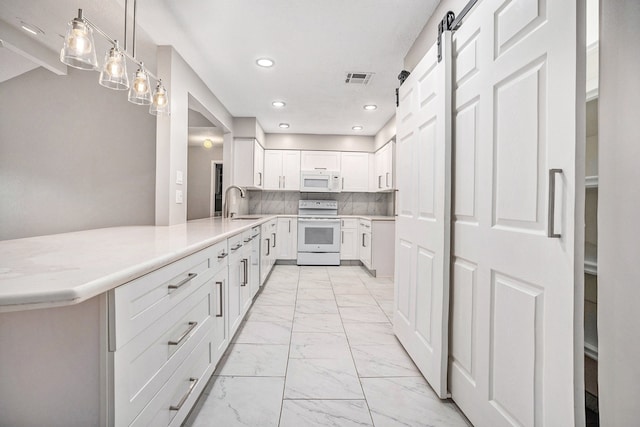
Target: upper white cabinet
pixel 248 163
pixel 282 170
pixel 383 178
pixel 355 171
pixel 320 160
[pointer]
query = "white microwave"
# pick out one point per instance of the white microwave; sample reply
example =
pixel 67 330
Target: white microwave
pixel 320 181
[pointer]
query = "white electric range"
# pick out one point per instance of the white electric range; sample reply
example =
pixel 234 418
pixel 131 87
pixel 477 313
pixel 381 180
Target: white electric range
pixel 318 232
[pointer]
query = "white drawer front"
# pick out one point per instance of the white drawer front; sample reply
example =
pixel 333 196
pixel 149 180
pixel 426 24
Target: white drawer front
pixel 144 365
pixel 349 223
pixel 139 303
pixel 220 257
pixel 194 372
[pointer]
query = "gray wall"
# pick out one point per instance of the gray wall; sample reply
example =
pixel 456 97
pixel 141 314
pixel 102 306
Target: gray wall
pixel 199 180
pixel 618 214
pixel 73 156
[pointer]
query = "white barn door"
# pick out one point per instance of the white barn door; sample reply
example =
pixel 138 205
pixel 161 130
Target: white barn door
pixel 517 84
pixel 422 247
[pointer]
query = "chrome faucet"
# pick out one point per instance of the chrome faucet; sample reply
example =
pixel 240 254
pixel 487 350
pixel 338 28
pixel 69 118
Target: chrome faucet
pixel 225 209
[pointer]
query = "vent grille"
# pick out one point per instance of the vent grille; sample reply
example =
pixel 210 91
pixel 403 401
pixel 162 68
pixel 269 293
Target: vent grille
pixel 358 78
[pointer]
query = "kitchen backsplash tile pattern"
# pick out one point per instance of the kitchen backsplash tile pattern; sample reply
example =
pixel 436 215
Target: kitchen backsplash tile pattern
pixel 286 202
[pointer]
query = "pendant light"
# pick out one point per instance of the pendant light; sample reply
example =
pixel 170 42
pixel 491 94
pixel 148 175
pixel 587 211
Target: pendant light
pixel 79 50
pixel 139 92
pixel 160 104
pixel 114 70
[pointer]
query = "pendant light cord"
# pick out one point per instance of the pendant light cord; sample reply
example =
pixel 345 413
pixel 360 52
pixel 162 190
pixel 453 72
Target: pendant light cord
pixel 126 10
pixel 135 7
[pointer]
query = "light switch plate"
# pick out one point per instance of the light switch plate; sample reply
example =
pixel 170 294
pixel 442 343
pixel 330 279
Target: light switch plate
pixel 179 178
pixel 178 196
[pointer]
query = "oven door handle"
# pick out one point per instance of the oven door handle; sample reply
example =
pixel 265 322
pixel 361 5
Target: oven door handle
pixel 336 220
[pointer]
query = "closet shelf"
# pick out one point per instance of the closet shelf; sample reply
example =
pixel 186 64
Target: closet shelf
pixel 591 181
pixel 591 259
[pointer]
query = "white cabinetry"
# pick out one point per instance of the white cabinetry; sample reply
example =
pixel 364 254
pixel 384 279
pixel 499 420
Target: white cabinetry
pixel 248 163
pixel 384 168
pixel 355 171
pixel 287 238
pixel 268 248
pixel 376 247
pixel 364 237
pixel 160 333
pixel 282 170
pixel 322 160
pixel 238 266
pixel 349 239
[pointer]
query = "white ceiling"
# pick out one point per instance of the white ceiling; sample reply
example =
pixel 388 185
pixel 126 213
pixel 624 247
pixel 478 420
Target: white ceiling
pixel 313 42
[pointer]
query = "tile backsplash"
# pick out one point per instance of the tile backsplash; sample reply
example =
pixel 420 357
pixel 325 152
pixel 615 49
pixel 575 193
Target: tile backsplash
pixel 286 202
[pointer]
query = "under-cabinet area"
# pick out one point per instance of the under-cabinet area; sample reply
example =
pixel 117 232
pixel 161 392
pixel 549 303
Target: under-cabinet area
pixel 153 323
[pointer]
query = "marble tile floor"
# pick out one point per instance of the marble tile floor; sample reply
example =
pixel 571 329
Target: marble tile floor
pixel 317 349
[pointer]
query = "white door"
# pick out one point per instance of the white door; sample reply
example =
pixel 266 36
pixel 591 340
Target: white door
pixel 422 247
pixel 258 165
pixel 220 339
pixel 355 171
pixel 514 313
pixel 290 170
pixel 272 170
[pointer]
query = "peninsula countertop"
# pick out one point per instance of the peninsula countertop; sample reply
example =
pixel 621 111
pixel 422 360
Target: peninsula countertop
pixel 64 269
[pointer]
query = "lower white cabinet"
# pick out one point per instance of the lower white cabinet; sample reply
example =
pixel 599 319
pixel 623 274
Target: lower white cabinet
pixel 349 248
pixel 238 299
pixel 287 238
pixel 364 238
pixel 268 248
pixel 219 329
pixel 375 240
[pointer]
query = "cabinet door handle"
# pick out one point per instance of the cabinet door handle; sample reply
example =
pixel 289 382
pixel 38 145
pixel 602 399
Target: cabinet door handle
pixel 387 179
pixel 363 240
pixel 177 407
pixel 191 327
pixel 342 237
pixel 183 282
pixel 244 272
pixel 223 255
pixel 220 299
pixel 379 181
pixel 552 204
pixel 268 246
pixel 289 226
pixel 274 240
pixel 260 179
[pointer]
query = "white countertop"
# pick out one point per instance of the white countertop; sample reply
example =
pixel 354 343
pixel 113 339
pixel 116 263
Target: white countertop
pixel 65 269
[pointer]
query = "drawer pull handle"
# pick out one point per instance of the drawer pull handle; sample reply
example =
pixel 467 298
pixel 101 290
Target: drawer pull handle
pixel 177 407
pixel 192 325
pixel 247 240
pixel 223 255
pixel 183 282
pixel 236 247
pixel 220 300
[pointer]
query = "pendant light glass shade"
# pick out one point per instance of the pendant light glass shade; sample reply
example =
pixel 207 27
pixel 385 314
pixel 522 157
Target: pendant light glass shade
pixel 160 104
pixel 79 49
pixel 140 93
pixel 114 70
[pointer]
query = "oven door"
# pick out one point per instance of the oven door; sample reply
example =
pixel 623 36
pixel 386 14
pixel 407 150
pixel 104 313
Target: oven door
pixel 318 235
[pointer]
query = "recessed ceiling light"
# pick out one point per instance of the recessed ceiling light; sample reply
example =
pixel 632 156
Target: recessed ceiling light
pixel 284 125
pixel 370 107
pixel 357 128
pixel 278 104
pixel 32 29
pixel 265 62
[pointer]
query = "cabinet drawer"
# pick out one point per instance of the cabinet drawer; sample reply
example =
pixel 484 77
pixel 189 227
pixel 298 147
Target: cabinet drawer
pixel 176 398
pixel 349 223
pixel 145 364
pixel 138 304
pixel 235 244
pixel 220 256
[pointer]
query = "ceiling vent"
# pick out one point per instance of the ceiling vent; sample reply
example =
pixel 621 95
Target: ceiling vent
pixel 358 78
